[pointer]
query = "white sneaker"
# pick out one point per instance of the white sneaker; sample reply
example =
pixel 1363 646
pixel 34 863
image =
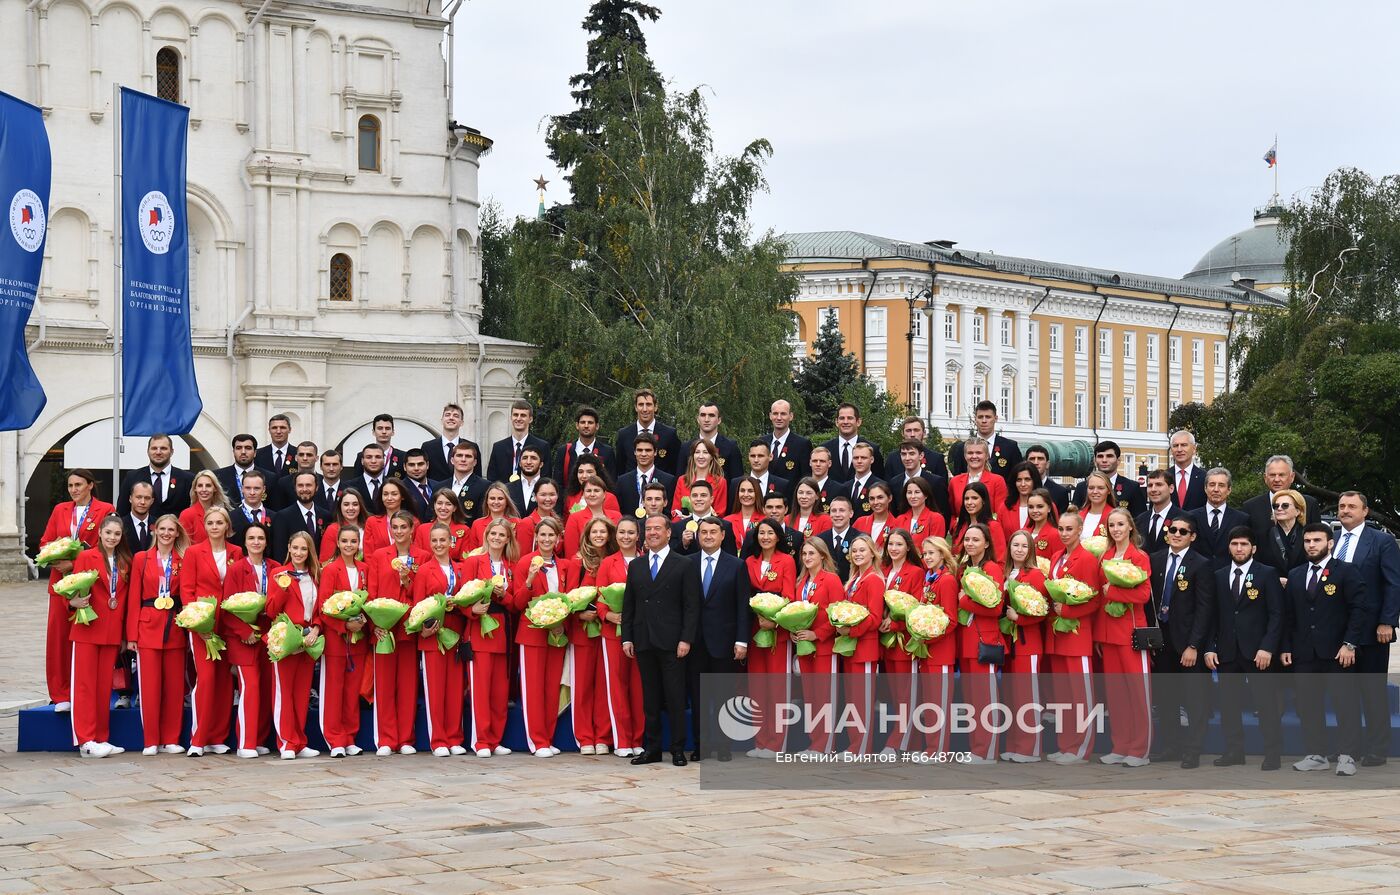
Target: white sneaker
pixel 500 750
pixel 1136 761
pixel 543 753
pixel 457 750
pixel 483 753
pixel 587 750
pixel 352 751
pixel 308 752
pixel 977 759
pixel 195 751
pixel 94 750
pixel 1053 756
pixel 1018 758
pixel 623 753
pixel 601 749
pixel 889 750
pixel 63 706
pixel 288 755
pixel 337 752
pixel 760 753
pixel 114 750
pixel 1346 767
pixel 1068 758
pixel 384 750
pixel 247 753
pixel 218 749
pixel 150 750
pixel 1312 763
pixel 172 748
pixel 1111 758
pixel 407 750
pixel 263 750
pixel 123 702
pixel 555 750
pixel 441 752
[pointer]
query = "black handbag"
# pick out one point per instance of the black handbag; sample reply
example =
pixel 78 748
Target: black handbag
pixel 995 653
pixel 1149 638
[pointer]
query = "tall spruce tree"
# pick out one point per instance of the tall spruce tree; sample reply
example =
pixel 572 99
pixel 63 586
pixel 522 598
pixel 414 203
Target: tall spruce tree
pixel 831 376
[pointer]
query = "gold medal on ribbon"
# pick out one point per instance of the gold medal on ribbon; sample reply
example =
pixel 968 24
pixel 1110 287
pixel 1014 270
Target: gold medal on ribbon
pixel 165 602
pixel 640 513
pixel 692 526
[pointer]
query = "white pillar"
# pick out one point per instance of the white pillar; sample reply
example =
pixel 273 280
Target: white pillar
pixel 969 364
pixel 1023 364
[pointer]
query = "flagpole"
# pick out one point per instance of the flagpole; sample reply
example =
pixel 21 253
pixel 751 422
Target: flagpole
pixel 1276 200
pixel 116 291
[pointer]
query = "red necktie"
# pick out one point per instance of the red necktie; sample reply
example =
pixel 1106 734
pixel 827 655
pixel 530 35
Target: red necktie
pixel 1181 491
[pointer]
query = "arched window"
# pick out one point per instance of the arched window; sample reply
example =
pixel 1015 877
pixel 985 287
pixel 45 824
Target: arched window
pixel 342 277
pixel 369 143
pixel 168 74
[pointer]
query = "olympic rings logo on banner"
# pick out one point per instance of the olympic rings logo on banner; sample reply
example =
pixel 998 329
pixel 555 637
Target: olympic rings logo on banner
pixel 27 220
pixel 156 221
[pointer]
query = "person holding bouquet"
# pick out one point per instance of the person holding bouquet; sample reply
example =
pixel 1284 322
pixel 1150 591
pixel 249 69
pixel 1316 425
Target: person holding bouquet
pixel 818 584
pixel 202 577
pixel 771 571
pixel 866 588
pixel 442 669
pixel 981 648
pixel 1127 672
pixel 921 520
pixel 588 689
pixel 293 592
pixel 447 510
pixel 595 494
pixel 939 588
pixel 622 680
pixel 541 662
pixel 98 639
pixel 205 492
pixel 349 510
pixel 391 573
pixel 1072 638
pixel 152 599
pixel 245 651
pixel 903 573
pixel 347 645
pixel 76 519
pixel 486 672
pixel 1026 625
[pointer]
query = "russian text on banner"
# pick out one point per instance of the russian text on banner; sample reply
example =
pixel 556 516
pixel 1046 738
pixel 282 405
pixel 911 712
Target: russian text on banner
pixel 25 171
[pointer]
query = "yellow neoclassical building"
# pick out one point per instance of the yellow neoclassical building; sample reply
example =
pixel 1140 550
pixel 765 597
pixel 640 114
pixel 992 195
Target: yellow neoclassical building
pixel 1066 352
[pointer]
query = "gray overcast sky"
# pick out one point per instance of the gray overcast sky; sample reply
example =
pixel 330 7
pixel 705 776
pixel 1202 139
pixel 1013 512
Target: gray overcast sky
pixel 1102 133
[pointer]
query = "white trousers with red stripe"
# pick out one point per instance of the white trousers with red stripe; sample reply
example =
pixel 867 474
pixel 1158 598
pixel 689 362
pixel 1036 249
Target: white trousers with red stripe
pixel 490 695
pixel 1128 698
pixel 444 683
pixel 211 701
pixel 541 672
pixel 160 677
pixel 291 699
pixel 91 683
pixel 588 694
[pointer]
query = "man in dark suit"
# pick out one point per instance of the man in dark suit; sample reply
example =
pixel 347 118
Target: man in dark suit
pixel 383 428
pixel 930 457
pixel 828 486
pixel 415 476
pixel 844 444
pixel 1188 478
pixel 669 456
pixel 633 483
pixel 911 455
pixel 1003 453
pixel 252 509
pixel 1161 509
pixel 523 483
pixel 1246 630
pixel 586 423
pixel 1216 519
pixel 862 459
pixel 759 460
pixel 660 620
pixel 685 531
pixel 1182 583
pixel 722 636
pixel 330 484
pixel 245 449
pixel 1327 613
pixel 469 487
pixel 305 514
pixel 277 455
pixel 1107 455
pixel 1039 457
pixel 304 460
pixel 138 523
pixel 1278 475
pixel 1374 554
pixel 792 454
pixel 839 537
pixel 505 454
pixel 708 419
pixel 775 509
pixel 439 450
pixel 370 478
pixel 170 486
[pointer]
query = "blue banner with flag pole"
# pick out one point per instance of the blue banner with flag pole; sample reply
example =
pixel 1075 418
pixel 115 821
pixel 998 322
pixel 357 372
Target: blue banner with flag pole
pixel 25 172
pixel 159 392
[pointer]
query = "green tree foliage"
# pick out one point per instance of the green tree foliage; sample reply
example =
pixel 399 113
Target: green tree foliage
pixel 1320 379
pixel 655 280
pixel 497 310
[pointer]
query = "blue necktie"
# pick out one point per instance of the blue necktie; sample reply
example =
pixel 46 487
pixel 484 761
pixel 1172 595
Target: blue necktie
pixel 1342 554
pixel 1167 584
pixel 655 564
pixel 709 574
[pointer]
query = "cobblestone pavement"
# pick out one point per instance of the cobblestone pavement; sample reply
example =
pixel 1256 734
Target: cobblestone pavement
pixel 583 825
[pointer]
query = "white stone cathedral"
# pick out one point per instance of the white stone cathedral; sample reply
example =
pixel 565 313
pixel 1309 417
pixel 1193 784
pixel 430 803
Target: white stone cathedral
pixel 333 224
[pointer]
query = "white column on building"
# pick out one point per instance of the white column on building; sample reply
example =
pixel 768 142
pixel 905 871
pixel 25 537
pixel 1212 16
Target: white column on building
pixel 1023 364
pixel 937 368
pixel 969 366
pixel 993 332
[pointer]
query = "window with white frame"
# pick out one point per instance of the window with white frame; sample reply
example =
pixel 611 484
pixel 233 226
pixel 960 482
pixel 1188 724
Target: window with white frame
pixel 1151 348
pixel 1054 408
pixel 918 324
pixel 950 395
pixel 1172 405
pixel 1219 355
pixel 1128 344
pixel 1006 405
pixel 918 394
pixel 875 323
pixel 1006 331
pixel 832 314
pixel 1104 421
pixel 1081 334
pixel 1079 409
pixel 1031 416
pixel 1197 350
pixel 1129 416
pixel 977 329
pixel 979 389
pixel 1032 329
pixel 1054 337
pixel 1105 340
pixel 950 327
pixel 1151 422
pixel 1175 350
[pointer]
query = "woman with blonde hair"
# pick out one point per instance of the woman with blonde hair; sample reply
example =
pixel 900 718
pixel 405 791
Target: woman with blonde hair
pixel 1127 671
pixel 206 566
pixel 1099 500
pixel 589 690
pixel 294 591
pixel 153 599
pixel 205 492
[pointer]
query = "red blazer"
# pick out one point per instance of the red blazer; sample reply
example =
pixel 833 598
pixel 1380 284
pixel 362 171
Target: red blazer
pixel 869 591
pixel 192 521
pixel 825 591
pixel 525 534
pixel 998 539
pixel 719 488
pixel 61 526
pixel 996 489
pixel 430 580
pixel 573 529
pixel 384 580
pixel 109 626
pixel 1083 566
pixel 1010 519
pixel 612 570
pixel 867 525
pixel 930 524
pixel 1101 530
pixel 1119 631
pixel 610 504
pixel 780 579
pixel 463 539
pixel 479 527
pixel 147 626
pixel 943 588
pixel 910 580
pixel 984 627
pixel 816 524
pixel 1047 541
pixel 242 577
pixel 1032 637
pixel 200 574
pixel 284 595
pixel 569 573
pixel 375 535
pixel 335 577
pixel 736 525
pixel 476 567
